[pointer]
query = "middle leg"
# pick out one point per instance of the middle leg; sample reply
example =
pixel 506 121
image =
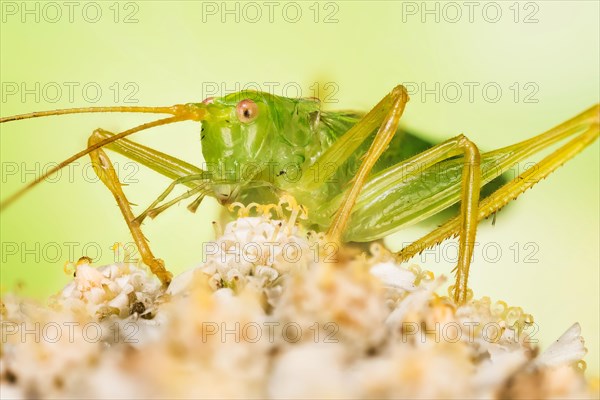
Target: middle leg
pixel 388 128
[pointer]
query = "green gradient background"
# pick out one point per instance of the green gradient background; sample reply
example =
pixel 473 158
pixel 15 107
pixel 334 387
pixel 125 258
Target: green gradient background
pixel 170 52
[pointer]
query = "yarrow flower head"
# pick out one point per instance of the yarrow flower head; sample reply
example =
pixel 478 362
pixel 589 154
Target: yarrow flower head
pixel 117 289
pixel 268 314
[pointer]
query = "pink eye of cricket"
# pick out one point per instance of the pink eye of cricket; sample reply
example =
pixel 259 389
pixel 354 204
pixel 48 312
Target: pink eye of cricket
pixel 247 111
pixel 208 100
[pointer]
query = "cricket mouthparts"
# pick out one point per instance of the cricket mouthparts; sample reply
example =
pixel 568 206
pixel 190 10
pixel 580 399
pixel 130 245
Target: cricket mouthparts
pixel 225 193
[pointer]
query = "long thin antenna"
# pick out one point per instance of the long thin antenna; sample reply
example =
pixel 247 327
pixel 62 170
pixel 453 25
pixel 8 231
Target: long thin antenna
pixel 89 149
pixel 123 109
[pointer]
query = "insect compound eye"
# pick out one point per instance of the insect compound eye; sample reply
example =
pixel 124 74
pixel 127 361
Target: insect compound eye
pixel 208 100
pixel 247 111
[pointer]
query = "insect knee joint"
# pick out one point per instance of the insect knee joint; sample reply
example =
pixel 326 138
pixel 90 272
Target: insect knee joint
pixel 400 91
pixel 98 135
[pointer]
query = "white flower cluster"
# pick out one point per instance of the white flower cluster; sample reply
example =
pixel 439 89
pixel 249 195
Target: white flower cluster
pixel 252 251
pixel 118 289
pixel 269 315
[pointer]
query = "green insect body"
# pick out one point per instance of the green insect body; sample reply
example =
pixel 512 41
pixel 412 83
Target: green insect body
pixel 259 159
pixel 361 176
